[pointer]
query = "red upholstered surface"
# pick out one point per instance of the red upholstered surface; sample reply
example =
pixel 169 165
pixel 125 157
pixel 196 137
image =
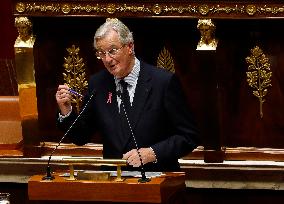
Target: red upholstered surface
pixel 10 123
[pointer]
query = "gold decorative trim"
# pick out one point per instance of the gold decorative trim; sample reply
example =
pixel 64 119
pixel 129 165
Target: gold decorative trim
pixel 203 9
pixel 157 9
pixel 166 61
pixel 66 8
pixel 251 9
pixel 258 75
pixel 75 76
pixel 167 9
pixel 111 8
pixel 20 7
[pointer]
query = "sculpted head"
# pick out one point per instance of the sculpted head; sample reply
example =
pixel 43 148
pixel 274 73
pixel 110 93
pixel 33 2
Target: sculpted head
pixel 24 27
pixel 207 29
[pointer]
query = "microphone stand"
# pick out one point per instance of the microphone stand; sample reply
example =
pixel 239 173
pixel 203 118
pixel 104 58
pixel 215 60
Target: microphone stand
pixel 48 175
pixel 143 178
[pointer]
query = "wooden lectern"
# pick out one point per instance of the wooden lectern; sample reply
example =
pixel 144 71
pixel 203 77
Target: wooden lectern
pixel 158 190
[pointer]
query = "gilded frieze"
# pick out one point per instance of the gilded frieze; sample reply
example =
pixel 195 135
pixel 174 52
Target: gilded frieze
pixel 161 9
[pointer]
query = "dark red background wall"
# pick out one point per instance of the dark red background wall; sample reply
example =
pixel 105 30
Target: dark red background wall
pixel 8 33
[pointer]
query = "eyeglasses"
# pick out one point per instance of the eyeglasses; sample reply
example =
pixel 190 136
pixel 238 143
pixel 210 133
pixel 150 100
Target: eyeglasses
pixel 112 52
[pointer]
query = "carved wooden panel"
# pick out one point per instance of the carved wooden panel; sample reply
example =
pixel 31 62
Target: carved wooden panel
pixel 215 82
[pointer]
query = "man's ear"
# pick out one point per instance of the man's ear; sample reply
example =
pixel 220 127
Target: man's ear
pixel 130 48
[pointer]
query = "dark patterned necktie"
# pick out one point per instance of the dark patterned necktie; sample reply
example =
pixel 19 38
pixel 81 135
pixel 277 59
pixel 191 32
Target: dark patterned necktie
pixel 125 96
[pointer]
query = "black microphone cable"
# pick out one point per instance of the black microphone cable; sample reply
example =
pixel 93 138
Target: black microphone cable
pixel 143 178
pixel 48 169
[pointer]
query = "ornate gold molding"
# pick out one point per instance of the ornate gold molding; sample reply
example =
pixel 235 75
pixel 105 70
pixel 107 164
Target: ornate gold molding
pixel 161 9
pixel 75 76
pixel 258 75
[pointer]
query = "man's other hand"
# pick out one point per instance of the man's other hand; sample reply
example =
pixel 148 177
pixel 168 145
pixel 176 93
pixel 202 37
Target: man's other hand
pixel 133 159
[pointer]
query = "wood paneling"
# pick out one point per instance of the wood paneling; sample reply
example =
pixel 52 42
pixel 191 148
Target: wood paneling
pixel 8 31
pixel 7 38
pixel 215 84
pixel 8 79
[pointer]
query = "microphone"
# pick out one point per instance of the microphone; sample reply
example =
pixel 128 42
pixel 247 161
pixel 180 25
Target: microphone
pixel 48 169
pixel 143 178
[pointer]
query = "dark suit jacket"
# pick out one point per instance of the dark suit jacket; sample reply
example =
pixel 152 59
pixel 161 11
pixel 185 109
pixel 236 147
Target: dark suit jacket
pixel 159 117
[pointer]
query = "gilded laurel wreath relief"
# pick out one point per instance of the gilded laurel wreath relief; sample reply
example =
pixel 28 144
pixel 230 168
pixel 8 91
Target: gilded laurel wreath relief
pixel 75 75
pixel 259 75
pixel 165 60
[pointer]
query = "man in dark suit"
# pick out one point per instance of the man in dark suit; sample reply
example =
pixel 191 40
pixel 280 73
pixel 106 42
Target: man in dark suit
pixel 134 103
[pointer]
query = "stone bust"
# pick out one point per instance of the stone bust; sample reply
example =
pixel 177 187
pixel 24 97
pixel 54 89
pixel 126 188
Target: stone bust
pixel 207 32
pixel 25 37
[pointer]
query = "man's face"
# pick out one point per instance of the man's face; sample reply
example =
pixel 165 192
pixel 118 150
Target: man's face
pixel 120 62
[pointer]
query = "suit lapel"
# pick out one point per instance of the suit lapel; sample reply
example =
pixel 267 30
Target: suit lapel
pixel 112 108
pixel 142 91
pixel 110 90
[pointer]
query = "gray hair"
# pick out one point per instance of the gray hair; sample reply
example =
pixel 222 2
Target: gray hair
pixel 124 34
